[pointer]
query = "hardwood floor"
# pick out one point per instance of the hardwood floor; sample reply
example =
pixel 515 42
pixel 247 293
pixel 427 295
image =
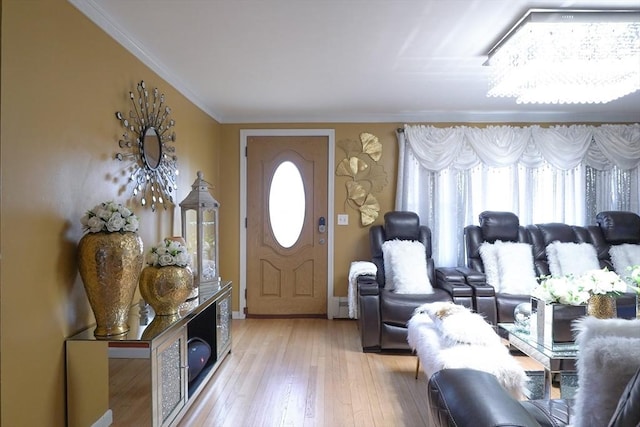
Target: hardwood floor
pixel 310 372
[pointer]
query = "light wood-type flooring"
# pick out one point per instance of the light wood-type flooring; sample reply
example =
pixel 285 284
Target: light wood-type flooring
pixel 310 372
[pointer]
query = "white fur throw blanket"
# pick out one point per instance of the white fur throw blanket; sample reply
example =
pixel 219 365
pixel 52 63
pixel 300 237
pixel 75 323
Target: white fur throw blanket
pixel 357 268
pixel 446 335
pixel 608 356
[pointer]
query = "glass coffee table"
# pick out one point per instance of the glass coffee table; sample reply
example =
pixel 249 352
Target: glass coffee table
pixel 556 359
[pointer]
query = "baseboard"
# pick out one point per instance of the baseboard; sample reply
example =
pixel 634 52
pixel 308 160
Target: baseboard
pixel 341 308
pixel 105 420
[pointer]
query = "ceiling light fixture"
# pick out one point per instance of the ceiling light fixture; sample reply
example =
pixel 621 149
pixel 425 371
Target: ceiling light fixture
pixel 568 56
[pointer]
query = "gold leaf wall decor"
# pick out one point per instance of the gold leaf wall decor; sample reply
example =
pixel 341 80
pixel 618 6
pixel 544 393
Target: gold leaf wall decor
pixel 371 145
pixel 369 210
pixel 351 167
pixel 356 192
pixel 367 175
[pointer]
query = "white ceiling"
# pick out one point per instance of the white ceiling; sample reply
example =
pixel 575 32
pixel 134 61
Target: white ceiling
pixel 255 61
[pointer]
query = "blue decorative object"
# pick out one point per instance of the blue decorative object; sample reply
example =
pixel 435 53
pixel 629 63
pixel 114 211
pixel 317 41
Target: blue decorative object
pixel 199 353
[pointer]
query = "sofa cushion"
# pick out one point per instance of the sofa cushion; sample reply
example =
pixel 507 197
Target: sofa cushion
pixel 405 266
pixel 571 258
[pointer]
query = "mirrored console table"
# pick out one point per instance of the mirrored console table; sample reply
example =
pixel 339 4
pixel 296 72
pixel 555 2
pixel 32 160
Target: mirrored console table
pixel 144 377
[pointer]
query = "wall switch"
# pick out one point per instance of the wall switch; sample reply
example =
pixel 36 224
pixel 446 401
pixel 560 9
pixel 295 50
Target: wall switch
pixel 343 219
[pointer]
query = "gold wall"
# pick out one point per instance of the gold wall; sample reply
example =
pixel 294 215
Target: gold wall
pixel 62 81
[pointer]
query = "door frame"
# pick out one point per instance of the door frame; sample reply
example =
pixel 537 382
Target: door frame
pixel 332 302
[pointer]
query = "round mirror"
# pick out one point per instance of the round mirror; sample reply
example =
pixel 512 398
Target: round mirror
pixel 151 148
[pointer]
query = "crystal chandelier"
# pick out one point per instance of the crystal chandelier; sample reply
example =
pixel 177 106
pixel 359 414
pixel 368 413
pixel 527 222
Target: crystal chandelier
pixel 570 56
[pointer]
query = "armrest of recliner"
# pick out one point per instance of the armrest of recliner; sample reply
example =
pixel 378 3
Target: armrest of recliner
pixel 484 295
pixel 369 317
pixel 367 284
pixel 452 281
pixel 477 281
pixel 459 397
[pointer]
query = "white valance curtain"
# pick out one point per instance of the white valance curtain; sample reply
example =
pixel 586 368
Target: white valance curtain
pixel 560 173
pixel 563 147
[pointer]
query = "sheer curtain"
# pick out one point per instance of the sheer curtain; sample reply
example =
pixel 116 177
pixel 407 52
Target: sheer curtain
pixel 557 174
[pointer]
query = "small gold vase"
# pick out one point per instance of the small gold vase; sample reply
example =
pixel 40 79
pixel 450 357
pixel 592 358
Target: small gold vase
pixel 110 265
pixel 602 307
pixel 165 288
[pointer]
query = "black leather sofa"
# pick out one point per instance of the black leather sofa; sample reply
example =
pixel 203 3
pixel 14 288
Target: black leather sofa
pixel 383 314
pixel 471 398
pixel 614 227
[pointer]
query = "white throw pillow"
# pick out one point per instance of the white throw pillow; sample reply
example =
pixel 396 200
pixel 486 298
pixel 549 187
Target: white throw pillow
pixel 571 258
pixel 623 256
pixel 405 265
pixel 489 257
pixel 609 352
pixel 515 267
pixel 508 267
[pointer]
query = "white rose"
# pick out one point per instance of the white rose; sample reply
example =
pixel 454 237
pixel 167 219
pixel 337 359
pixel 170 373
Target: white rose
pixel 173 246
pixel 131 223
pixel 182 258
pixel 124 211
pixel 102 213
pixel 116 222
pixel 95 224
pixel 166 259
pixel 152 258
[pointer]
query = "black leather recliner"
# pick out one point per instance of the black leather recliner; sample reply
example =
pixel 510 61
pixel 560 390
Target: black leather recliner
pixel 494 226
pixel 383 314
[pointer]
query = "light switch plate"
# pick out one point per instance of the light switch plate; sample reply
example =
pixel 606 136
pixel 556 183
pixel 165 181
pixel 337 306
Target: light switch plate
pixel 343 219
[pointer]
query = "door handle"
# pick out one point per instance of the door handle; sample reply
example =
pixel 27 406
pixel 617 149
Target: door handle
pixel 322 225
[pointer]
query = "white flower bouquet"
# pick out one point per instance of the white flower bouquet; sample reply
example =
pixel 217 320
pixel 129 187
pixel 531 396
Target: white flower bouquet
pixel 572 290
pixel 168 252
pixel 110 217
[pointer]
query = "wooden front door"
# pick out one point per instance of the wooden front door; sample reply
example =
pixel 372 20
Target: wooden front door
pixel 287 276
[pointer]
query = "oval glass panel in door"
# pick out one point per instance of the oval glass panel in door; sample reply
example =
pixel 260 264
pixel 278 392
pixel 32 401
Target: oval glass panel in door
pixel 286 204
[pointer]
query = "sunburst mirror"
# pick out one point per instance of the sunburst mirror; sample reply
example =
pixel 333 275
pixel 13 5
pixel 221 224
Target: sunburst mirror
pixel 147 141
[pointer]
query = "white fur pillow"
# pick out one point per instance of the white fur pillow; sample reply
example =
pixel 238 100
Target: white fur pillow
pixel 609 355
pixel 515 265
pixel 508 267
pixel 489 257
pixel 405 267
pixel 623 256
pixel 571 258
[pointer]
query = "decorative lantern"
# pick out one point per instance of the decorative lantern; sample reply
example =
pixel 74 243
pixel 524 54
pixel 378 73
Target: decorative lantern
pixel 200 229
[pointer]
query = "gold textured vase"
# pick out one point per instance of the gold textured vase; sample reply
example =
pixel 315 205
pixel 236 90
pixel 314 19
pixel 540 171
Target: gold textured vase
pixel 110 265
pixel 602 306
pixel 165 288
